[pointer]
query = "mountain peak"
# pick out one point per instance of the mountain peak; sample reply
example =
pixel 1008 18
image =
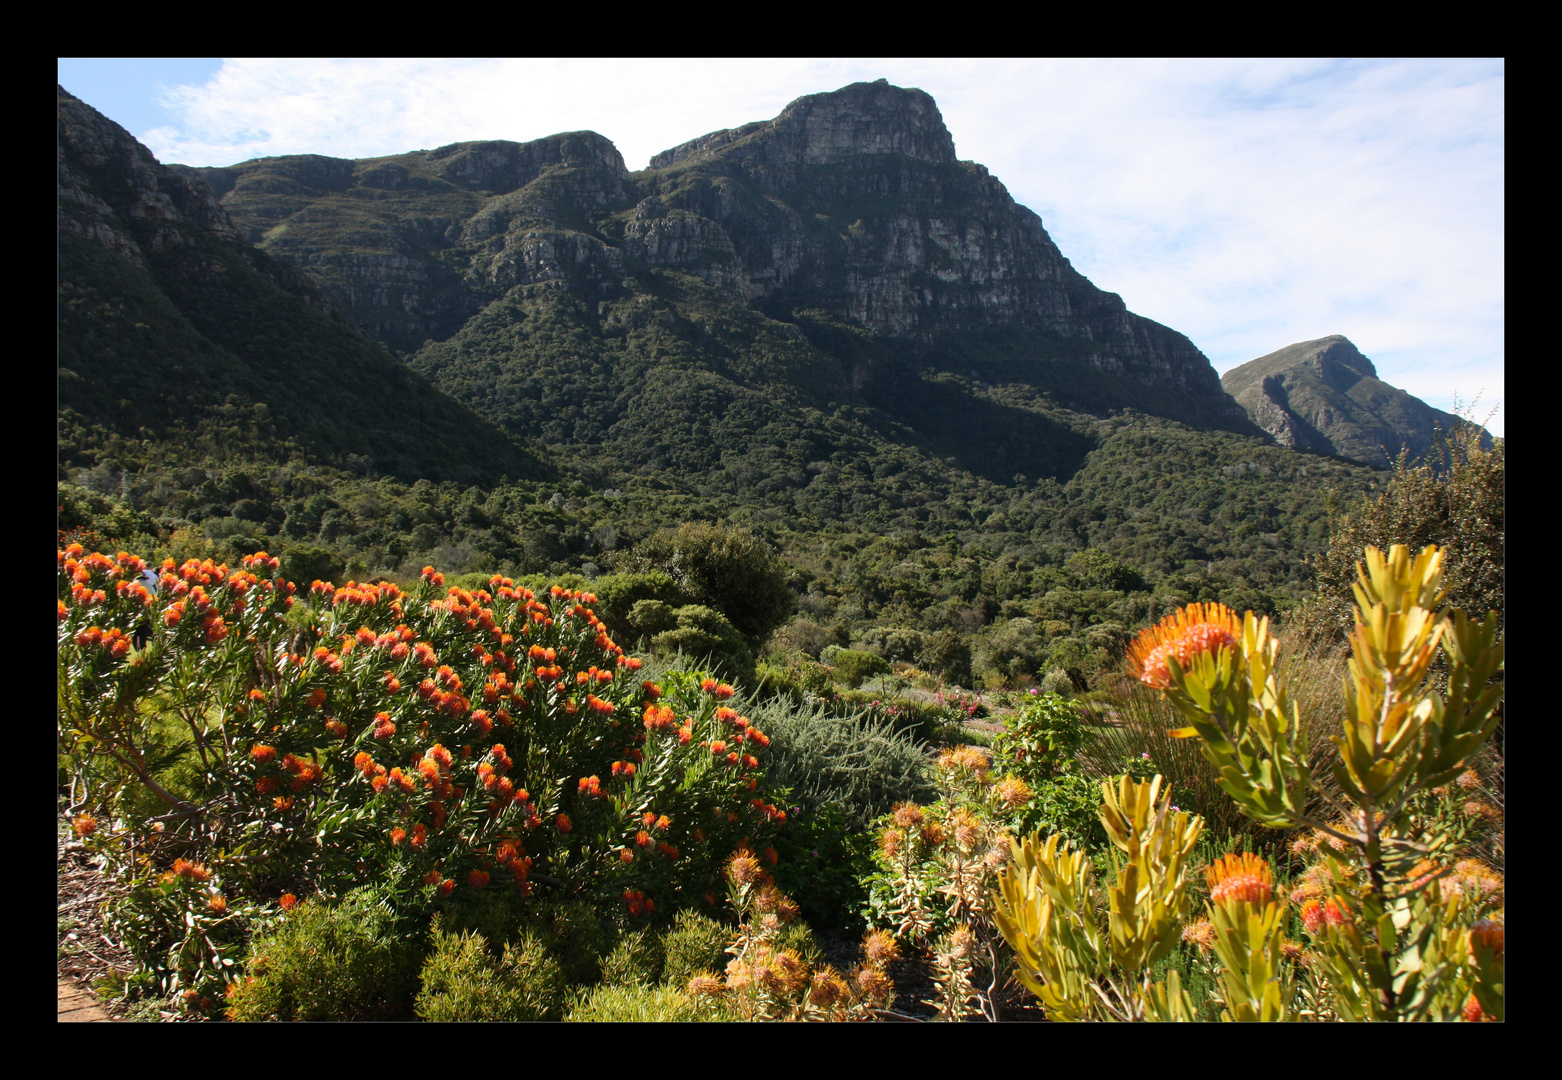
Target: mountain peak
pixel 867 118
pixel 842 125
pixel 1324 395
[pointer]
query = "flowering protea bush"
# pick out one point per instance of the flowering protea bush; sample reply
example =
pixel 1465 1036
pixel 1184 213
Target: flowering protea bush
pixel 1397 932
pixel 768 977
pixel 431 742
pixel 938 866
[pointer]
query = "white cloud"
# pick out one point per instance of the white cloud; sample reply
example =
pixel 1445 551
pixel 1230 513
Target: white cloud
pixel 1249 204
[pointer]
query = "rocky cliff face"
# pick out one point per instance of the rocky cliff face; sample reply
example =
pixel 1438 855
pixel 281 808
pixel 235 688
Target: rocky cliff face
pixel 1325 396
pixel 104 175
pixel 851 202
pixel 857 197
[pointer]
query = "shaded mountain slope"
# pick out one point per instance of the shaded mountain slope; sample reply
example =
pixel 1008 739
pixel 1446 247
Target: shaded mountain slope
pixel 172 326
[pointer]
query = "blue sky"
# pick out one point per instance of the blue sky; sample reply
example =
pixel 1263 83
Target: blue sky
pixel 1248 204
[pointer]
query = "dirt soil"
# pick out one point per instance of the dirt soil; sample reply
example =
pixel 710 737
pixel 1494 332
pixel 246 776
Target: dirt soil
pixel 87 953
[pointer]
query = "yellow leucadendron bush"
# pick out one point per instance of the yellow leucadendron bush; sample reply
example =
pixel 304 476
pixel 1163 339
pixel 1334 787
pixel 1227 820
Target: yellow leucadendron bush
pixel 1046 900
pixel 1390 943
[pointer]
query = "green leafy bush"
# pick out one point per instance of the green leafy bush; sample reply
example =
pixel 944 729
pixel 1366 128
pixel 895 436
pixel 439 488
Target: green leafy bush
pixel 852 666
pixel 353 960
pixel 635 960
pixel 648 1005
pixel 859 763
pixel 725 568
pixel 705 636
pixel 823 860
pixel 464 980
pixel 693 944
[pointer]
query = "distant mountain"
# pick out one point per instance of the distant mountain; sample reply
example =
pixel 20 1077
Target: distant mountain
pixel 728 301
pixel 173 327
pixel 1325 396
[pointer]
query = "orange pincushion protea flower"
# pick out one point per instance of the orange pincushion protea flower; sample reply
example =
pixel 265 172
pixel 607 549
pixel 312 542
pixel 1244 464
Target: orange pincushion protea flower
pixel 1487 934
pixel 1190 632
pixel 1243 877
pixel 1202 934
pixel 1312 917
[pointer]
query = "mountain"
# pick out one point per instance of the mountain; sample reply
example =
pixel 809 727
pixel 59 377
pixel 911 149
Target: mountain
pixel 823 327
pixel 731 299
pixel 1325 396
pixel 173 327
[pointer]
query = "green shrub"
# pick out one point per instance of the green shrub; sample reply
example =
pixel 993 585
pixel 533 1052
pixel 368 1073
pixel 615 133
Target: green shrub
pixel 860 763
pixel 1456 499
pixel 1057 681
pixel 647 1005
pixel 464 980
pixel 348 961
pixel 948 655
pixel 650 617
pixel 636 960
pixel 722 567
pixel 924 721
pixel 822 863
pixel 695 943
pixel 575 937
pixel 852 666
pixel 302 562
pixel 704 634
pixel 618 595
pixel 894 643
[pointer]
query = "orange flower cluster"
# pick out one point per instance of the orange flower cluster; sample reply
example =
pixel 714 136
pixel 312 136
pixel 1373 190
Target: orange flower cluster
pixel 1486 934
pixel 304 772
pixel 719 690
pixel 965 757
pixel 189 871
pixel 435 768
pixel 1246 878
pixel 117 642
pixel 507 852
pixel 637 903
pixel 1012 792
pixel 659 718
pixel 1317 914
pixel 1195 630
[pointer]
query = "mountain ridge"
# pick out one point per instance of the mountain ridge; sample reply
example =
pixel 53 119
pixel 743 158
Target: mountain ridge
pixel 1324 396
pixel 851 202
